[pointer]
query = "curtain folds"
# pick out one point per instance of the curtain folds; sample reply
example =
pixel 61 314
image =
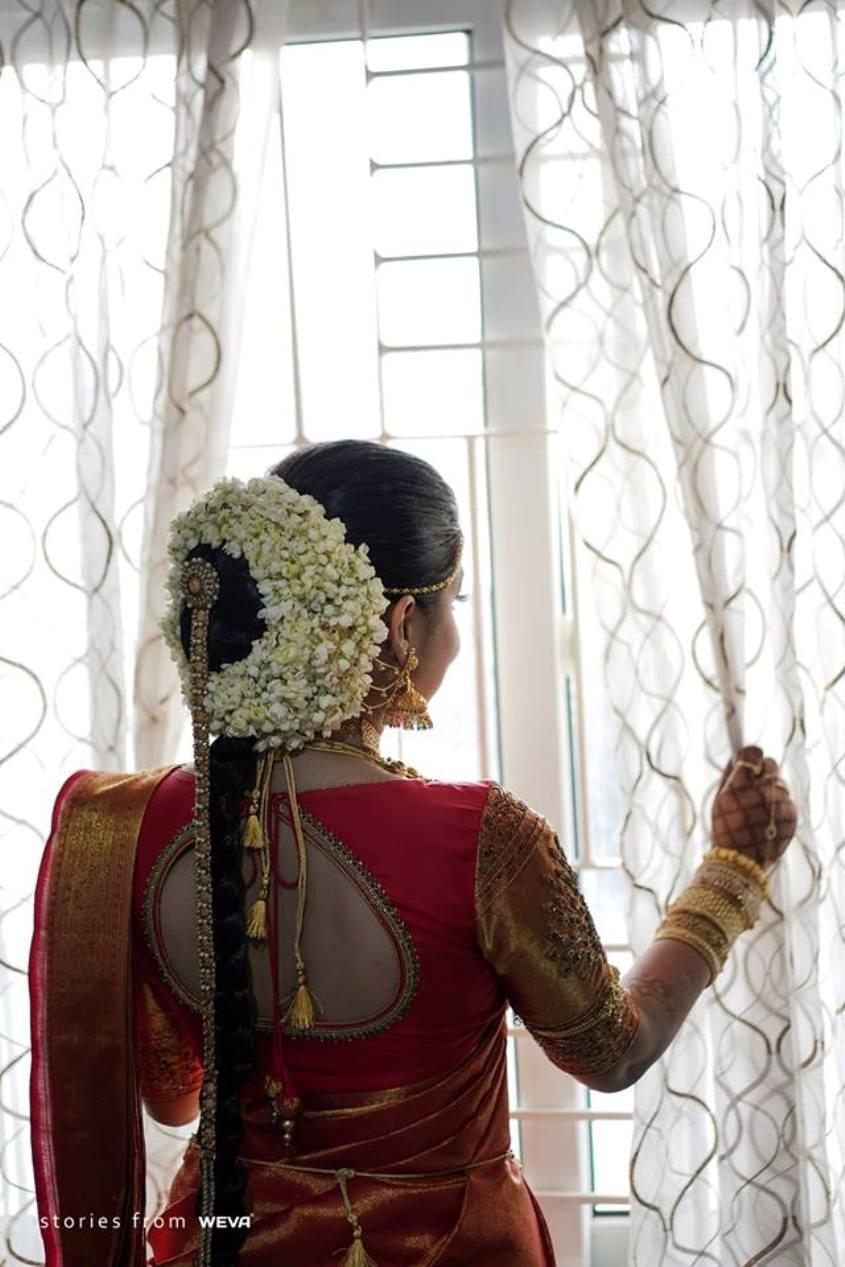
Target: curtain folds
pixel 133 146
pixel 683 193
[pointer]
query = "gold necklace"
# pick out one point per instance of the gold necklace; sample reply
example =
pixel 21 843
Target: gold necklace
pixel 366 754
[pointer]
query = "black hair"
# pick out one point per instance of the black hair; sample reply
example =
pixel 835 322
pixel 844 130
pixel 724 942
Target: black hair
pixel 394 502
pixel 234 625
pixel 407 515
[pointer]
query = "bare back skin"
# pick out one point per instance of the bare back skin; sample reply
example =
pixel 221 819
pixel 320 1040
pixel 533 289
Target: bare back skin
pixel 345 918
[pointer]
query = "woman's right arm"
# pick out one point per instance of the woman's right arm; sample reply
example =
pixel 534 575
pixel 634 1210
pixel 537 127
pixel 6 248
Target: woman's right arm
pixel 536 931
pixel 664 983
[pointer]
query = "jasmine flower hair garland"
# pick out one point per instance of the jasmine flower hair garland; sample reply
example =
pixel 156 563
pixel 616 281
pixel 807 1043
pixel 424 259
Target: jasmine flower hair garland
pixel 322 603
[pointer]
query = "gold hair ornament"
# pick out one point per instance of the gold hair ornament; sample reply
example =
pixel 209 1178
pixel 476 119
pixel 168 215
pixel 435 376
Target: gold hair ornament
pixel 200 587
pixel 400 590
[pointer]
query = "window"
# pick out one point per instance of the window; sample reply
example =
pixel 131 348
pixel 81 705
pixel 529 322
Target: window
pixel 414 322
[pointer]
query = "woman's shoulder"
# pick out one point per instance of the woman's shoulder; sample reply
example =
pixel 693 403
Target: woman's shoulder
pixel 491 821
pixel 499 809
pixel 155 799
pixel 87 790
pixel 424 801
pixel 509 832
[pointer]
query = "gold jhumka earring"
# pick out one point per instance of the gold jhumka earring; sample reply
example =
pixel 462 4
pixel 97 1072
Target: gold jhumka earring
pixel 403 705
pixel 407 708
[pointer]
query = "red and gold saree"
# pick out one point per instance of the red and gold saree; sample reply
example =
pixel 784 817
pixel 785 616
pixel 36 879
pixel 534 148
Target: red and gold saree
pixel 404 1139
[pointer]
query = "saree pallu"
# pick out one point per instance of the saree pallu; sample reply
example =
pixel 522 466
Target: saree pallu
pixel 87 1135
pixel 424 1171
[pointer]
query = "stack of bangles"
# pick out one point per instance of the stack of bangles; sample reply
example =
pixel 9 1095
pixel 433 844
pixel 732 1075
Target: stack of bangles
pixel 722 901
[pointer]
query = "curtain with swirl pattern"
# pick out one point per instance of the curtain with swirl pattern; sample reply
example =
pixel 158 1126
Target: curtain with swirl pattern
pixel 684 193
pixel 131 150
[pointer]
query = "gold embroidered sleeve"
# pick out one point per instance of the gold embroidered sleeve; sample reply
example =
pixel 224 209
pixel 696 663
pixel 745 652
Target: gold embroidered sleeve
pixel 168 1068
pixel 537 933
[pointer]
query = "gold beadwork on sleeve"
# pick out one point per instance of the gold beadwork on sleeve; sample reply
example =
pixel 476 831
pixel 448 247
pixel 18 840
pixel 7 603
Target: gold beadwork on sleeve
pixel 508 832
pixel 167 1065
pixel 597 1041
pixel 572 942
pixel 535 930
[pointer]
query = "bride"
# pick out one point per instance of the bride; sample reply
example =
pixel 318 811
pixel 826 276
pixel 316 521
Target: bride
pixel 313 947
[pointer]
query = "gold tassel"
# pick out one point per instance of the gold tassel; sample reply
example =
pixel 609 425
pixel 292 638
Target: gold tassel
pixel 256 920
pixel 253 832
pixel 254 836
pixel 356 1255
pixel 300 1014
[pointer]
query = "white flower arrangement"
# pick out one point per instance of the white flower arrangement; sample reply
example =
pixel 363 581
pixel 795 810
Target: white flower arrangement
pixel 322 603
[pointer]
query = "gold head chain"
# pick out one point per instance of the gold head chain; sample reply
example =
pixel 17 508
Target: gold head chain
pixel 399 590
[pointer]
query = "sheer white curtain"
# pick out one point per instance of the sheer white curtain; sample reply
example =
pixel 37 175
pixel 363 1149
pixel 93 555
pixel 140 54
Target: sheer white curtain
pixel 227 113
pixel 131 151
pixel 683 187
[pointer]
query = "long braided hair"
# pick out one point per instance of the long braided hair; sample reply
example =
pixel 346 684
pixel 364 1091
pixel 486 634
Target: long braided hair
pixel 407 515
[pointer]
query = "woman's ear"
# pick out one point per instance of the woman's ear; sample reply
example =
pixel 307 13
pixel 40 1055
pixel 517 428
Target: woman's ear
pixel 398 623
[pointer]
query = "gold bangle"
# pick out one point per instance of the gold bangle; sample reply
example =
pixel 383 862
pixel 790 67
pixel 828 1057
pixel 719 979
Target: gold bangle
pixel 722 901
pixel 675 933
pixel 720 908
pixel 731 880
pixel 707 930
pixel 736 859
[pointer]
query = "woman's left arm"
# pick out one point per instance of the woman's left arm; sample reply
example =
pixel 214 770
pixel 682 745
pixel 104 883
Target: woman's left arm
pixel 169 1072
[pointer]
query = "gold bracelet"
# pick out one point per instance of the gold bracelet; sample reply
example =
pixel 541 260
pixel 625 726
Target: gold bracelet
pixel 736 859
pixel 722 901
pixel 707 930
pixel 673 932
pixel 737 883
pixel 710 903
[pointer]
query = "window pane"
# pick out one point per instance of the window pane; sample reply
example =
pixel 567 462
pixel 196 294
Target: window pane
pixel 606 894
pixel 424 211
pixel 424 118
pixel 433 393
pixel 328 179
pixel 244 463
pixel 412 52
pixel 429 301
pixel 611 1149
